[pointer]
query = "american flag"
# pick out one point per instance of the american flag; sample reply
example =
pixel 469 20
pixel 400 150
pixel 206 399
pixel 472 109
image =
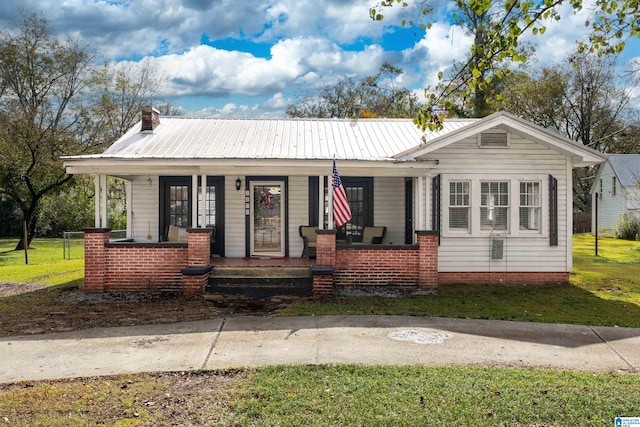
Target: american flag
pixel 341 211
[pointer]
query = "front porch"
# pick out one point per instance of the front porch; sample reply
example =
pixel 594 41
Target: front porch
pixel 130 266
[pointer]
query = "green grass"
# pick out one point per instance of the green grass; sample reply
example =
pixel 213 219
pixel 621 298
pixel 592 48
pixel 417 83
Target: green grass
pixel 604 290
pixel 329 395
pixel 46 262
pixel 412 396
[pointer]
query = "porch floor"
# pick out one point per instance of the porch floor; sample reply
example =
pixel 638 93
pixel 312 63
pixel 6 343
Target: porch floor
pixel 262 262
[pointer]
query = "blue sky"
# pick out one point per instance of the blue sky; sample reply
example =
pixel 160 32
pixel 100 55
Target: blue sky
pixel 250 58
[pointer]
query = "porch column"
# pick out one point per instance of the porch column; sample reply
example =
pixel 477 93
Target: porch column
pixel 203 195
pixel 96 200
pixel 428 259
pixel 326 247
pixel 325 262
pixel 196 274
pixel 330 203
pixel 194 200
pixel 199 246
pixel 320 202
pixel 95 258
pixel 103 202
pixel 420 207
pixel 129 202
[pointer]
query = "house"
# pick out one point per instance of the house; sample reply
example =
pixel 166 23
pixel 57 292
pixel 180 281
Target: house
pixel 615 190
pixel 481 200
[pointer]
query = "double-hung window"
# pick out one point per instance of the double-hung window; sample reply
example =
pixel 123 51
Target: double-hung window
pixel 494 205
pixel 530 205
pixel 459 205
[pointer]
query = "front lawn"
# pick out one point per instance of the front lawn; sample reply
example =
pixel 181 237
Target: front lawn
pixel 604 290
pixel 327 395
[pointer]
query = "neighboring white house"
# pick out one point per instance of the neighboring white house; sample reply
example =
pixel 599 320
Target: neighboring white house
pixel 497 190
pixel 616 190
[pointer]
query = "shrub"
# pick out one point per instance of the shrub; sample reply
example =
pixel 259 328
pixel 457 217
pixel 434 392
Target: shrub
pixel 627 227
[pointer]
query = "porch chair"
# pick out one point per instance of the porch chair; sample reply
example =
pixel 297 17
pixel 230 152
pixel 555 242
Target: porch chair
pixel 177 234
pixel 373 235
pixel 308 234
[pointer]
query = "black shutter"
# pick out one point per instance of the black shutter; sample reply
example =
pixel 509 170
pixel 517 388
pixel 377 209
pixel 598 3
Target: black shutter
pixel 435 205
pixel 314 189
pixel 553 211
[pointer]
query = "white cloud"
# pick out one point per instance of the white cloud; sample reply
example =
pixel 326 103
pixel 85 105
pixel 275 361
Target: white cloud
pixel 313 44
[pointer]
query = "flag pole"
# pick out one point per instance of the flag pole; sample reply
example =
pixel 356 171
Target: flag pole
pixel 330 200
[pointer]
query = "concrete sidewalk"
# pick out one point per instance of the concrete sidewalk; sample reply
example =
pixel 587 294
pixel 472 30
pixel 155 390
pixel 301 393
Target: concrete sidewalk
pixel 258 341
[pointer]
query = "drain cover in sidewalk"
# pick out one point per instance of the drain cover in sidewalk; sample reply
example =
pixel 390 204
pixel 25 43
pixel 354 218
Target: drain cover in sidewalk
pixel 420 337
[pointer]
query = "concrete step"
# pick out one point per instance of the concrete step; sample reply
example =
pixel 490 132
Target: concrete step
pixel 264 287
pixel 260 281
pixel 261 272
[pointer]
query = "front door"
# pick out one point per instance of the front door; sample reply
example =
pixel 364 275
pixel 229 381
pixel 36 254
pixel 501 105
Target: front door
pixel 267 218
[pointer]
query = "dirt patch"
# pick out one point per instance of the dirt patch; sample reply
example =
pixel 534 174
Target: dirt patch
pixel 34 308
pixel 166 399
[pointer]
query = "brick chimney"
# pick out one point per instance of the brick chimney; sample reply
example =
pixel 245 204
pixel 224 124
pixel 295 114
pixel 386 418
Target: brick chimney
pixel 150 118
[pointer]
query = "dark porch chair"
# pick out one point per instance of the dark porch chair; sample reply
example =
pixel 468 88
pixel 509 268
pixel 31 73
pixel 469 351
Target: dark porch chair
pixel 308 234
pixel 373 235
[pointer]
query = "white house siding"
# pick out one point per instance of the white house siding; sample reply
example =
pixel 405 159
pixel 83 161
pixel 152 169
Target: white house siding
pixel 234 218
pixel 298 212
pixel 632 199
pixel 389 207
pixel 609 206
pixel 234 211
pixel 144 227
pixel 522 161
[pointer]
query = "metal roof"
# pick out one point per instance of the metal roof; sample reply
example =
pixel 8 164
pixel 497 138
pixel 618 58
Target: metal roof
pixel 626 167
pixel 294 139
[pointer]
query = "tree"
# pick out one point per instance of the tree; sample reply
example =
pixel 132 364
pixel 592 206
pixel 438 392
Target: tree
pixel 584 102
pixel 40 80
pixel 613 22
pixel 117 94
pixel 378 95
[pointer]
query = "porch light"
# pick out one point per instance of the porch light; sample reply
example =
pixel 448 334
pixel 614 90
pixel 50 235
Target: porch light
pixel 238 184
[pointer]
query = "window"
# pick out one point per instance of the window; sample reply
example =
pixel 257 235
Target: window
pixel 179 205
pixel 175 206
pixel 360 196
pixel 530 206
pixel 494 205
pixel 459 205
pixel 209 206
pixel 600 193
pixel 613 186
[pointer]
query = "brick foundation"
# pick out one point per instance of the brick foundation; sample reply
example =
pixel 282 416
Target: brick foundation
pixel 508 278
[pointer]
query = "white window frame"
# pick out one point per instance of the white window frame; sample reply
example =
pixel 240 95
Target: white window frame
pixel 488 206
pixel 537 207
pixel 466 230
pixel 513 208
pixel 613 186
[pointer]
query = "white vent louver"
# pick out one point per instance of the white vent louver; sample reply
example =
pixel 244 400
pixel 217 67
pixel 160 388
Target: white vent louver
pixel 494 140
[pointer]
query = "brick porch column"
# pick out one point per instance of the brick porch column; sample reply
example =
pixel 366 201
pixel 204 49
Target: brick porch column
pixel 196 274
pixel 325 262
pixel 326 247
pixel 199 252
pixel 94 258
pixel 428 259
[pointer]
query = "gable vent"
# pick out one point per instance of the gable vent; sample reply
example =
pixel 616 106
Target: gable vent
pixel 493 140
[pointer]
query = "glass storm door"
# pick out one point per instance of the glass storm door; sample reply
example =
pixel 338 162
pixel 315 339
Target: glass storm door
pixel 267 218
